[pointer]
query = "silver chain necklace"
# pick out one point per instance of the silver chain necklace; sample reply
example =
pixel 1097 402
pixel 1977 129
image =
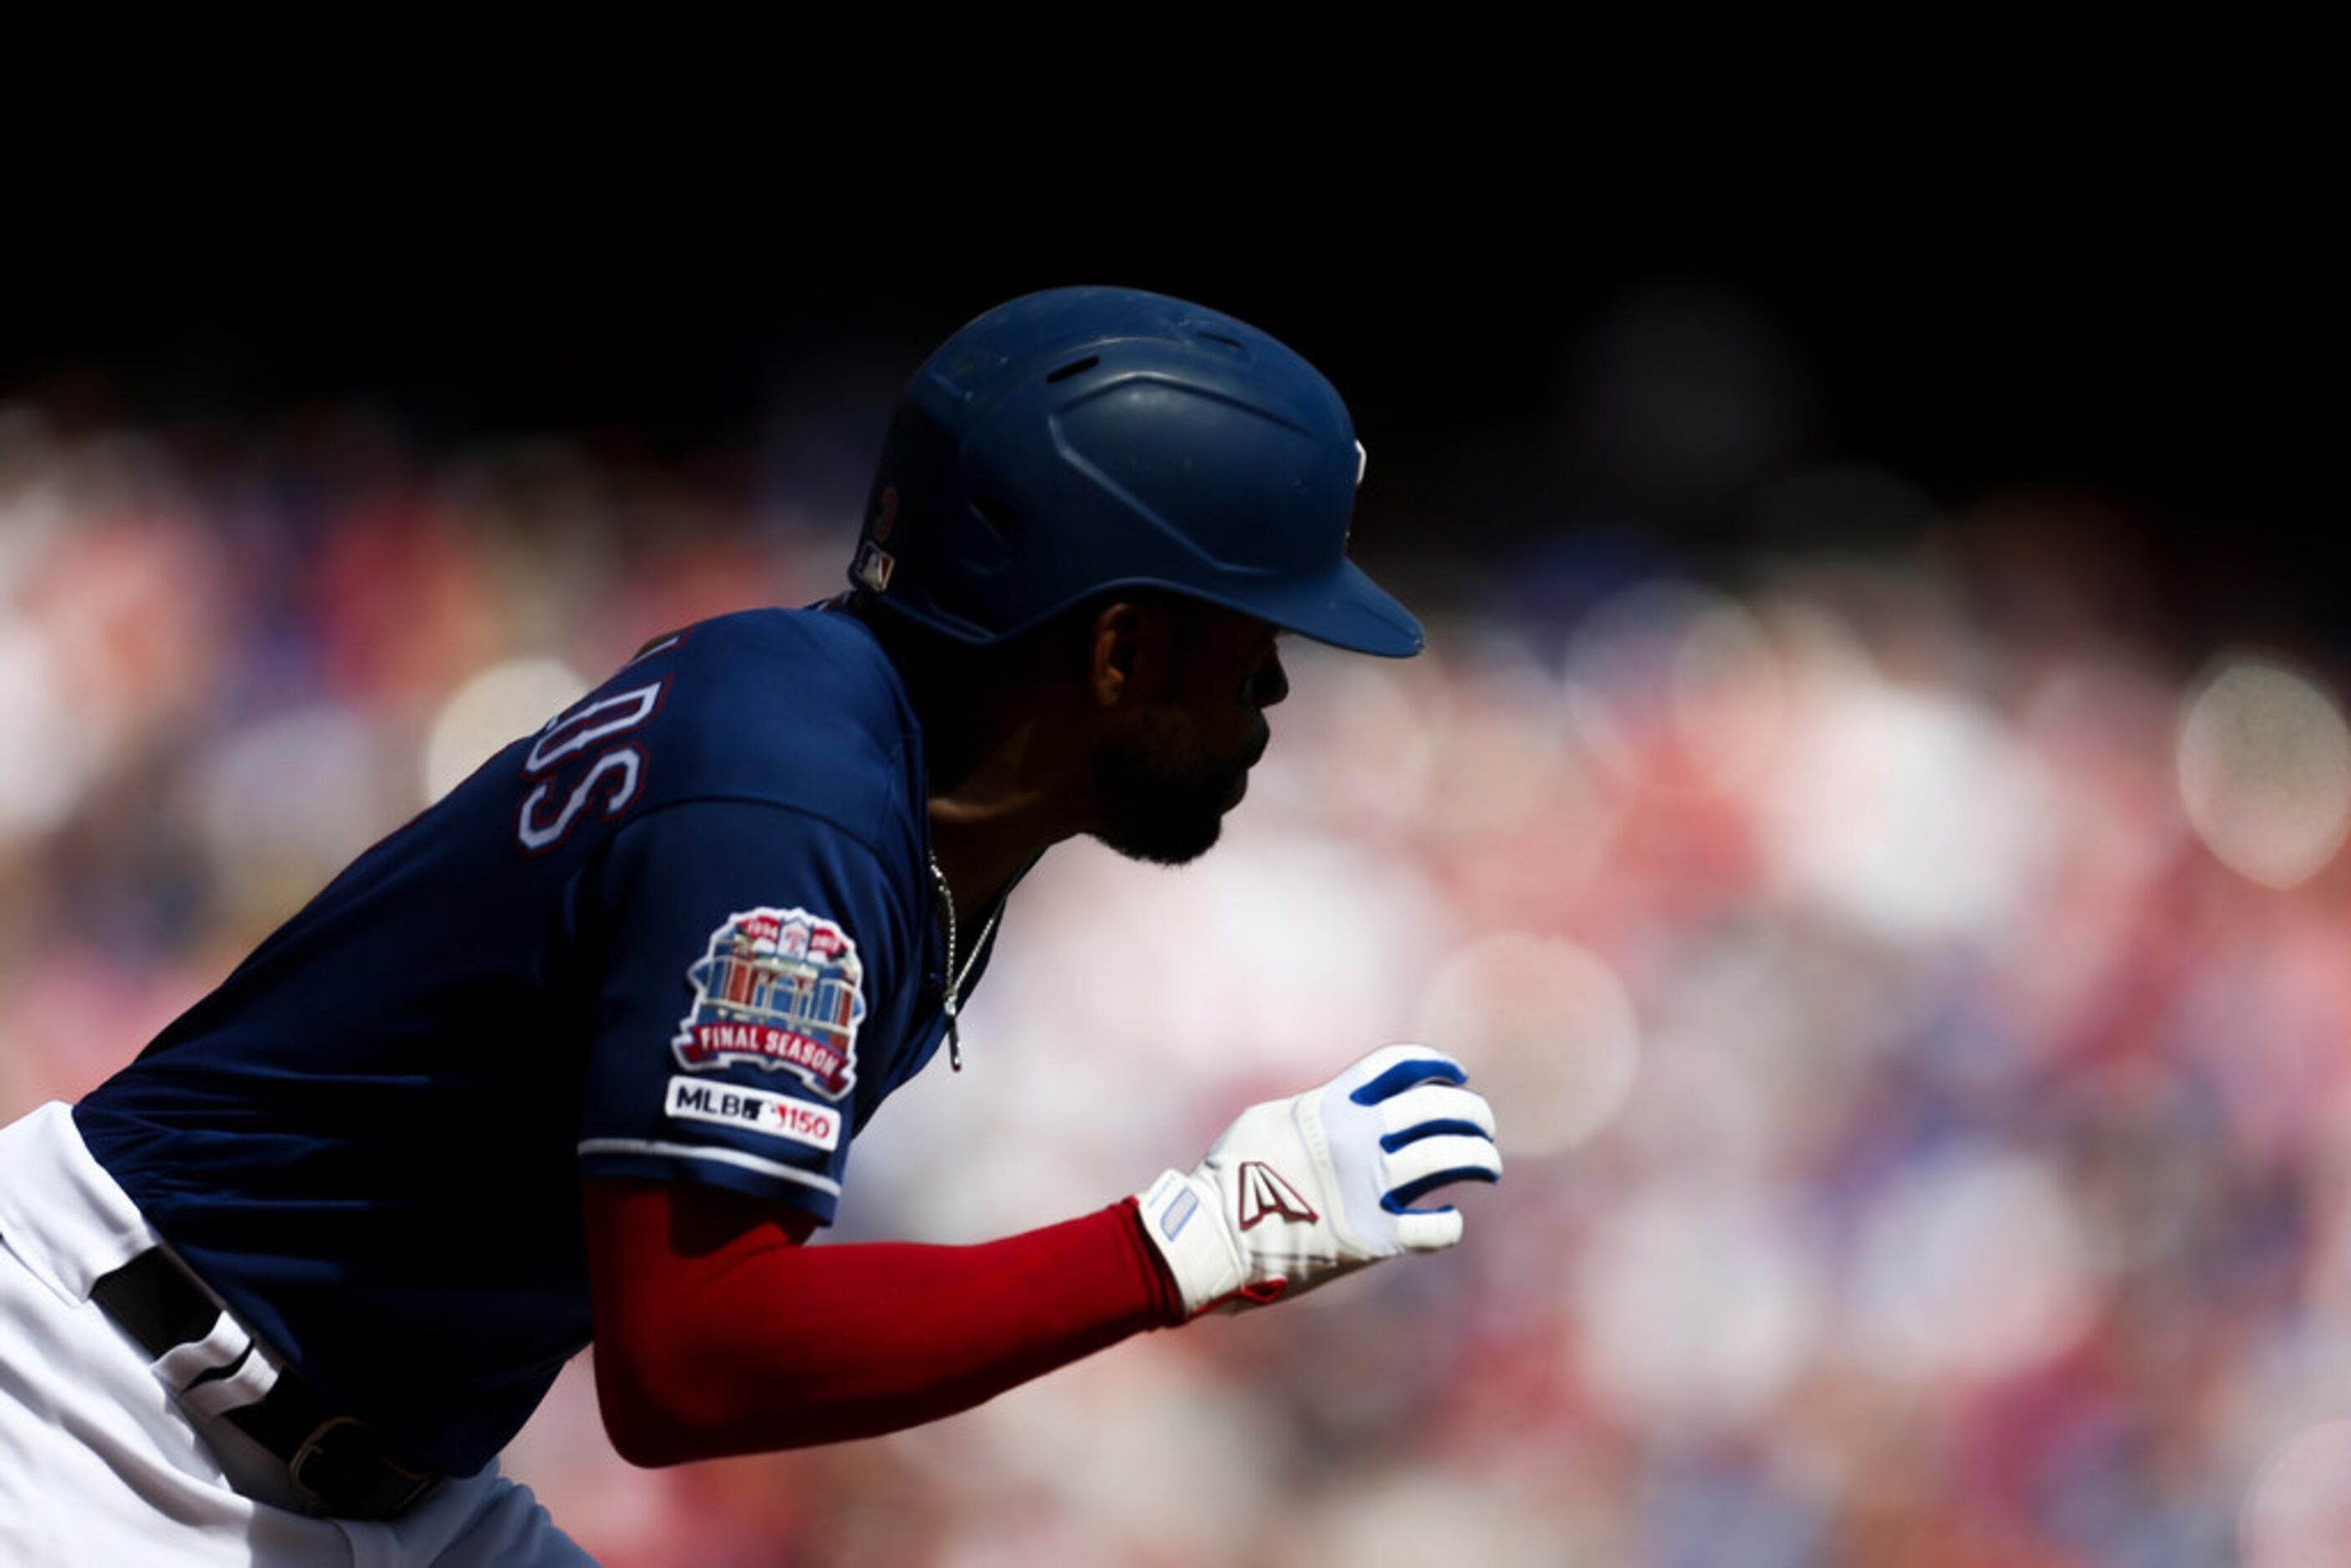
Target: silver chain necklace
pixel 956 978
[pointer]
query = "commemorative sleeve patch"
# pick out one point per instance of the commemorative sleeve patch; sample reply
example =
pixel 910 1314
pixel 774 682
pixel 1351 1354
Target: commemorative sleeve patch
pixel 781 990
pixel 754 1110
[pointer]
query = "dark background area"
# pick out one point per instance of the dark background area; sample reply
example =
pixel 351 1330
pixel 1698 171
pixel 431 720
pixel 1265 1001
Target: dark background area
pixel 2102 270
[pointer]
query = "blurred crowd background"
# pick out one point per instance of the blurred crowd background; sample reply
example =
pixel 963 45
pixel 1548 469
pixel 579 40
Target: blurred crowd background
pixel 1886 880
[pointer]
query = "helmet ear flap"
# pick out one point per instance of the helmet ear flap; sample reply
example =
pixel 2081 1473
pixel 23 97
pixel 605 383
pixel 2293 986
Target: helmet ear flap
pixel 1082 439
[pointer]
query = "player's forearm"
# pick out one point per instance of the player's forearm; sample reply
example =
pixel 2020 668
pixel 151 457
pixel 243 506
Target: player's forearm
pixel 763 1344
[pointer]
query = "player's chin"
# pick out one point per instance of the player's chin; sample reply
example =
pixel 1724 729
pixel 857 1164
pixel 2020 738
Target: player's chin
pixel 1165 802
pixel 1239 786
pixel 1167 832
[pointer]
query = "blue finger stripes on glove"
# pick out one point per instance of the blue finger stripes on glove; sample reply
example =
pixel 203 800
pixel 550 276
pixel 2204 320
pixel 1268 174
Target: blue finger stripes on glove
pixel 1302 1190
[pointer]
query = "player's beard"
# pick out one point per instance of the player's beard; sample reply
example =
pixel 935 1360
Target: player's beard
pixel 1164 797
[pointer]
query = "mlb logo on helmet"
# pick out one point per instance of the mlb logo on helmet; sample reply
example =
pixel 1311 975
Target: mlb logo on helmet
pixel 872 567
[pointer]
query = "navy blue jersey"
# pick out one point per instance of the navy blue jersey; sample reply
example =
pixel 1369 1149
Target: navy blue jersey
pixel 686 932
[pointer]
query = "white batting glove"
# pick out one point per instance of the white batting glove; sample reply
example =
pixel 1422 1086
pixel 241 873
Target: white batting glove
pixel 1300 1191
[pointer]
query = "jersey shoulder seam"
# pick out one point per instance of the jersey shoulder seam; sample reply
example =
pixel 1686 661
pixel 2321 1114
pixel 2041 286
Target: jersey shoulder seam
pixel 874 852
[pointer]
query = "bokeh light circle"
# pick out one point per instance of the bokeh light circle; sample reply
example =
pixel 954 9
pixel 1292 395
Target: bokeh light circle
pixel 1545 1028
pixel 2297 1514
pixel 503 702
pixel 2264 762
pixel 1976 1265
pixel 1672 677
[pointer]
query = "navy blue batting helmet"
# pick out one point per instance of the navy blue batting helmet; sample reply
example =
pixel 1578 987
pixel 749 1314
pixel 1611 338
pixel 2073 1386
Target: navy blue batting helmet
pixel 1084 439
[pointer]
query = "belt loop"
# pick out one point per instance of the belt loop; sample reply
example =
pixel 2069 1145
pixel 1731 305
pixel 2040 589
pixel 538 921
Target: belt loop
pixel 222 1376
pixel 248 1383
pixel 224 1345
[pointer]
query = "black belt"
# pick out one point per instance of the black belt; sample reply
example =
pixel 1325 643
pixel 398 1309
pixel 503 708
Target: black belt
pixel 331 1459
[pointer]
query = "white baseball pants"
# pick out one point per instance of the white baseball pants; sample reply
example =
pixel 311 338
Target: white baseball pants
pixel 100 1463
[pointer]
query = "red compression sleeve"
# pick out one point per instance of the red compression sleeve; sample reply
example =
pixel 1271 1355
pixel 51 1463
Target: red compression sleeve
pixel 717 1332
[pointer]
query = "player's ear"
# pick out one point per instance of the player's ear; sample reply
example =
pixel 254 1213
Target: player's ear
pixel 1127 649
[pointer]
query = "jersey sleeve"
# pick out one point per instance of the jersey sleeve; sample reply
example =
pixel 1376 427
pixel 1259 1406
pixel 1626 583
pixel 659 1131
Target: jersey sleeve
pixel 751 957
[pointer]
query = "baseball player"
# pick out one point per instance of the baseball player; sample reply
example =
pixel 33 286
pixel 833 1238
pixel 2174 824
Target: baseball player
pixel 581 1051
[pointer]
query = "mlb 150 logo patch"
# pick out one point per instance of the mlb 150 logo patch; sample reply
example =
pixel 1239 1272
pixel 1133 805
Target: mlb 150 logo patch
pixel 777 988
pixel 754 1110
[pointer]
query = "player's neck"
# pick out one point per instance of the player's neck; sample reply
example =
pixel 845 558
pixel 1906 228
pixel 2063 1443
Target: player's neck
pixel 981 852
pixel 1016 796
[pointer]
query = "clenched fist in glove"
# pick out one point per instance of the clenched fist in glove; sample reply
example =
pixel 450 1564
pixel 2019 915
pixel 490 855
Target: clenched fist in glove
pixel 1302 1190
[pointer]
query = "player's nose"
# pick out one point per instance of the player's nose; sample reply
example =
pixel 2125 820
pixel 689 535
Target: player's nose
pixel 1269 682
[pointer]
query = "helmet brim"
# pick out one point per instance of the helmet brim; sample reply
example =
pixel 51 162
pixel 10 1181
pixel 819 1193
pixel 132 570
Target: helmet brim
pixel 1342 607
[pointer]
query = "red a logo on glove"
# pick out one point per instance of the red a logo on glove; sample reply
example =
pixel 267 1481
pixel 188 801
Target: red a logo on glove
pixel 1265 1195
